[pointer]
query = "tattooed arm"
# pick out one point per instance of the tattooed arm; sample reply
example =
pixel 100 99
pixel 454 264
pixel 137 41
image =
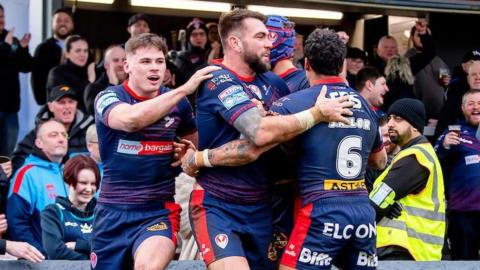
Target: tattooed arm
pixel 235 153
pixel 262 131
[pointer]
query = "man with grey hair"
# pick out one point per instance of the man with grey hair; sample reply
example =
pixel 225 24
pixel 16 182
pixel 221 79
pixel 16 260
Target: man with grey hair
pixel 61 106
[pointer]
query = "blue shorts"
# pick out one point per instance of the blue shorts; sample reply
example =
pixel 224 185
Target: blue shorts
pixel 224 229
pixel 285 203
pixel 337 230
pixel 118 230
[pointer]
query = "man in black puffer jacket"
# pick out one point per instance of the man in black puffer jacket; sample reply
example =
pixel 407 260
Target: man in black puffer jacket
pixel 62 106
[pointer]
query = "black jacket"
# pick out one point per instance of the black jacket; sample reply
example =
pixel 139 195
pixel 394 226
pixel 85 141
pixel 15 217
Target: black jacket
pixel 61 223
pixel 47 55
pixel 452 108
pixel 92 90
pixel 13 59
pixel 76 139
pixel 72 75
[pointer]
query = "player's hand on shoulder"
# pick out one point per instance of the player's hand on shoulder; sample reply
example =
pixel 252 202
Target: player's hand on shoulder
pixel 198 77
pixel 333 109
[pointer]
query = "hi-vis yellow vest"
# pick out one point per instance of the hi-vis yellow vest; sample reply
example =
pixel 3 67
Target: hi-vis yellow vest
pixel 421 227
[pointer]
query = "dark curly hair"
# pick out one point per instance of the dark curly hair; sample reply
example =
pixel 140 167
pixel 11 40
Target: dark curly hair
pixel 325 52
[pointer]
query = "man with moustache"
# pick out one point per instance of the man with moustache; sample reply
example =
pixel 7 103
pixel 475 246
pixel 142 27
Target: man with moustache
pixel 114 74
pixel 48 54
pixel 37 183
pixel 61 106
pixel 229 208
pixel 409 195
pixel 458 148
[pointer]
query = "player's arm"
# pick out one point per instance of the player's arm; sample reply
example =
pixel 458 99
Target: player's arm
pixel 263 131
pixel 131 118
pixel 378 159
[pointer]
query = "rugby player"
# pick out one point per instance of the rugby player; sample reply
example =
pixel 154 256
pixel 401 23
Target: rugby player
pixel 136 219
pixel 229 208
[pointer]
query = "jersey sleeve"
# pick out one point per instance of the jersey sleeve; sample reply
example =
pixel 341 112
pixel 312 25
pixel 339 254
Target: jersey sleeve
pixel 378 142
pixel 187 122
pixel 280 107
pixel 227 99
pixel 104 103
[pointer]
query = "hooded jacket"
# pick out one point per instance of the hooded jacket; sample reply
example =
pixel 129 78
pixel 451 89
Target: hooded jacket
pixel 76 137
pixel 34 186
pixel 62 223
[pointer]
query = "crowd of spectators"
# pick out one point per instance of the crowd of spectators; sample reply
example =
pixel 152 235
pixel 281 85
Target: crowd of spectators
pixel 55 170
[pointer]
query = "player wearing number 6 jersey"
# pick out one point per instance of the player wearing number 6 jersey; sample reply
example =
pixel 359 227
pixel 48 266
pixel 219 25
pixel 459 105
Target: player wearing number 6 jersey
pixel 336 223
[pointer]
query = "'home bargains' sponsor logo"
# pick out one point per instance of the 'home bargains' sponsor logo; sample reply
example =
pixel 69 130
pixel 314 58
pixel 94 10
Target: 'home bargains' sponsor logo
pixel 144 148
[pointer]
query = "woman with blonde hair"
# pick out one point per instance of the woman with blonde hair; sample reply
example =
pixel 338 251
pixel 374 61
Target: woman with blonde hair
pixel 399 80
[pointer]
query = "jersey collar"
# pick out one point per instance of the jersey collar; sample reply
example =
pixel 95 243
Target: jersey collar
pixel 218 62
pixel 133 94
pixel 287 72
pixel 330 80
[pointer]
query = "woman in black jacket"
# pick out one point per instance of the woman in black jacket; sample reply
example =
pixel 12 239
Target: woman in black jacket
pixel 74 71
pixel 67 224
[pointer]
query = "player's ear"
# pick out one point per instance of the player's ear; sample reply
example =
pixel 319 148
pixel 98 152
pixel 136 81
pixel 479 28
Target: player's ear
pixel 126 66
pixel 235 43
pixel 308 67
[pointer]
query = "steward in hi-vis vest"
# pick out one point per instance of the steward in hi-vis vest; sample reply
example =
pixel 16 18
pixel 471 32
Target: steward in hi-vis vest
pixel 409 195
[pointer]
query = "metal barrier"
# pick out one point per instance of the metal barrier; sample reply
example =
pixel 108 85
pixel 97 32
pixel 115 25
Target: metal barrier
pixel 198 265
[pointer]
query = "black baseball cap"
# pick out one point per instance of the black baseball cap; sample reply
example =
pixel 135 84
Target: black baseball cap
pixel 61 91
pixel 471 55
pixel 138 17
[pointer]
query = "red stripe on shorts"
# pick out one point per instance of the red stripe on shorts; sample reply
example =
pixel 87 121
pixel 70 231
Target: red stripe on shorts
pixel 174 217
pixel 299 233
pixel 200 229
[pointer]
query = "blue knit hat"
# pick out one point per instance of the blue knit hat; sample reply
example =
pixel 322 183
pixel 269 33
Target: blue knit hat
pixel 282 34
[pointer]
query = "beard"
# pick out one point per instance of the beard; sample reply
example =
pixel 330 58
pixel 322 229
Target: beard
pixel 400 139
pixel 255 63
pixel 62 35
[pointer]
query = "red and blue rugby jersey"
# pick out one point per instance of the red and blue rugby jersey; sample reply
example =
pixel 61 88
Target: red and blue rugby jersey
pixel 137 165
pixel 332 156
pixel 296 79
pixel 220 101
